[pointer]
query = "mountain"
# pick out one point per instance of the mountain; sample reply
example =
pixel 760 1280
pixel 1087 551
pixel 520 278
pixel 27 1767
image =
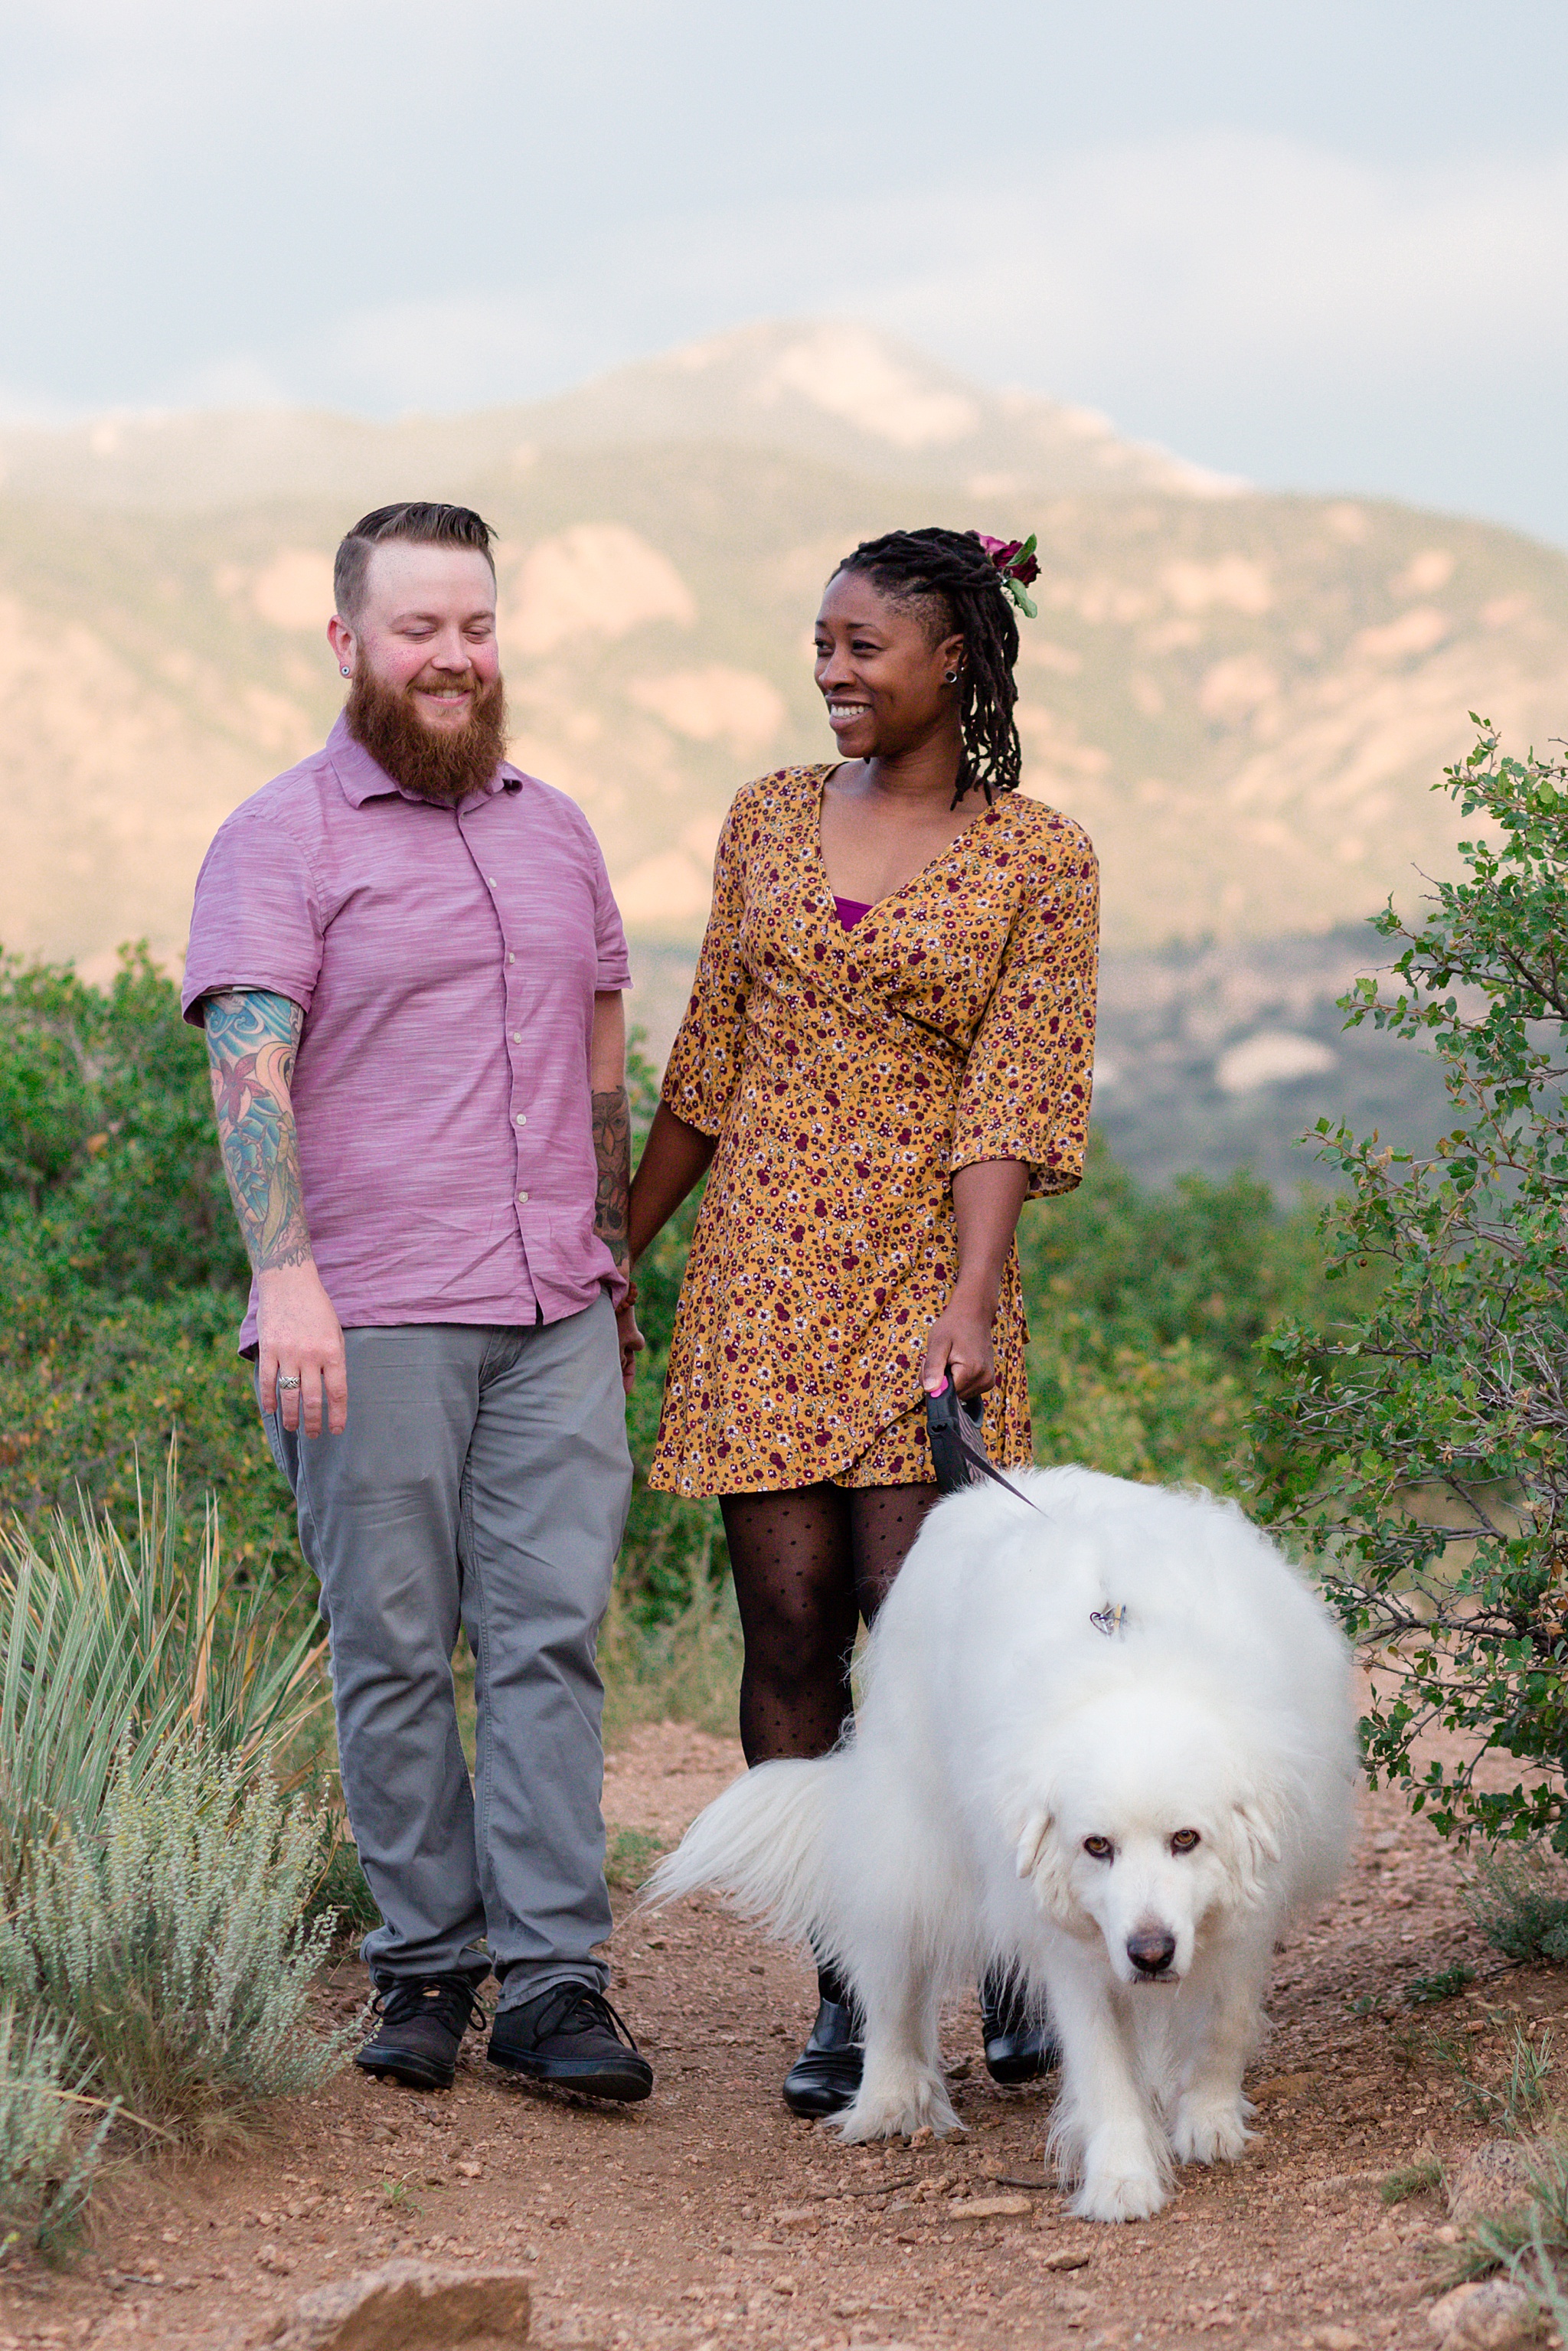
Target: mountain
pixel 1245 696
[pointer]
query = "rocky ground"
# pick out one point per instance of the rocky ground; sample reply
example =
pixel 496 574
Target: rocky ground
pixel 711 2218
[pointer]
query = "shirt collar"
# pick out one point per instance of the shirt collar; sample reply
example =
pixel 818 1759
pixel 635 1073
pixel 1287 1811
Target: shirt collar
pixel 363 778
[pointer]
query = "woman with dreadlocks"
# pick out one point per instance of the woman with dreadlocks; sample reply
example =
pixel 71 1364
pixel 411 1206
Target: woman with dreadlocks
pixel 887 1052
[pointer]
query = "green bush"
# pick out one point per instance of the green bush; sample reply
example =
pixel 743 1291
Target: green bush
pixel 1517 1896
pixel 165 1941
pixel 1422 1449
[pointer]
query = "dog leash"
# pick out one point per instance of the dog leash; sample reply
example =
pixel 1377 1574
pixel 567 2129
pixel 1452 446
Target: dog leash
pixel 958 1456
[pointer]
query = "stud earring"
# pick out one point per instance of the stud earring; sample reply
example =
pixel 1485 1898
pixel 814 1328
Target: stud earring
pixel 345 673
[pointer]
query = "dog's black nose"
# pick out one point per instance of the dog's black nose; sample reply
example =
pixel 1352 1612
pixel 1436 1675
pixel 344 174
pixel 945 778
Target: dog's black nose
pixel 1151 1950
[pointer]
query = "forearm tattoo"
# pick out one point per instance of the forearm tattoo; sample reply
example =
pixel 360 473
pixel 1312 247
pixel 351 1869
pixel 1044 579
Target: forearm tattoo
pixel 613 1152
pixel 253 1036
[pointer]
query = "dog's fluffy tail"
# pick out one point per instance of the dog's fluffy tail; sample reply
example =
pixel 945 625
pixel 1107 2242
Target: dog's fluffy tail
pixel 764 1843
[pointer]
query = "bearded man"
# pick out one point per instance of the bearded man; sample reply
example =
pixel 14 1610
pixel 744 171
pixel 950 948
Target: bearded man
pixel 409 965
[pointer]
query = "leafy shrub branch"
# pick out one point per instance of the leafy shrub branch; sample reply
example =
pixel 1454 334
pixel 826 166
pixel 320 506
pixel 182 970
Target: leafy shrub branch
pixel 1421 1448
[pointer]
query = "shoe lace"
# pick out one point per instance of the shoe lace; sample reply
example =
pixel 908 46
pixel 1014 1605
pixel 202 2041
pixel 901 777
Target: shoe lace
pixel 451 2000
pixel 577 2008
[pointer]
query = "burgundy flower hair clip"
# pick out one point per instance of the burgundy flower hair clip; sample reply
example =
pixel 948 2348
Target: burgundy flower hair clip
pixel 1018 567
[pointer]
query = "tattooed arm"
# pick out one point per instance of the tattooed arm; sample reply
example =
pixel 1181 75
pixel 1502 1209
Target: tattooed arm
pixel 612 1155
pixel 253 1036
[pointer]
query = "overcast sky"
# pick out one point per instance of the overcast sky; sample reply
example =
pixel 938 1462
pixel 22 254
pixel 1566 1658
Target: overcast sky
pixel 1319 243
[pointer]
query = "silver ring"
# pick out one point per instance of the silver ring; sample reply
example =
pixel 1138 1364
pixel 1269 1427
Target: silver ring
pixel 288 1379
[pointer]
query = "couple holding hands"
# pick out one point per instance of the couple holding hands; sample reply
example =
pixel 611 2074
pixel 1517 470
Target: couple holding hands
pixel 410 969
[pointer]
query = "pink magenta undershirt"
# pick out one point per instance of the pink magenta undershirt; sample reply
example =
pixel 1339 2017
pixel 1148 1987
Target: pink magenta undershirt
pixel 849 911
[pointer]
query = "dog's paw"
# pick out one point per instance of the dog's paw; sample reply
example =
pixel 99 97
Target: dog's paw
pixel 1120 2196
pixel 1210 2130
pixel 897 2111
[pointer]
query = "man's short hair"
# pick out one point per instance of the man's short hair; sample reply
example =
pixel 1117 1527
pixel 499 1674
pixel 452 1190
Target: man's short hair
pixel 421 520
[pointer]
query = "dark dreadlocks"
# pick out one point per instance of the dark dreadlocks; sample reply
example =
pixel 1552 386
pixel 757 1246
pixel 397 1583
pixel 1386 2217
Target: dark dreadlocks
pixel 950 573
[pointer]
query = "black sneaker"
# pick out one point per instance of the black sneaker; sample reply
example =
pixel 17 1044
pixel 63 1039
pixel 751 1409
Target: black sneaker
pixel 571 2038
pixel 423 2021
pixel 1020 2043
pixel 826 2076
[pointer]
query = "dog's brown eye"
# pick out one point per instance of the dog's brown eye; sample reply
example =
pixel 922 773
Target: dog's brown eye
pixel 1099 1848
pixel 1185 1839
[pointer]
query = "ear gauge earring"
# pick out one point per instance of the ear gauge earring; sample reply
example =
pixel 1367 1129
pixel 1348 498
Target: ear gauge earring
pixel 951 678
pixel 344 671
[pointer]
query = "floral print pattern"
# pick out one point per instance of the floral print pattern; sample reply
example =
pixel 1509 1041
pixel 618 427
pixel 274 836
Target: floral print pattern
pixel 846 1075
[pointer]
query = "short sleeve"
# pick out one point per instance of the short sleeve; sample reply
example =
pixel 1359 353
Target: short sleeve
pixel 704 1060
pixel 258 918
pixel 1025 1090
pixel 613 967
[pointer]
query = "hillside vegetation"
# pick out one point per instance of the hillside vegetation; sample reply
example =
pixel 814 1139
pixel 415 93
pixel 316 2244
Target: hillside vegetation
pixel 122 1282
pixel 1242 695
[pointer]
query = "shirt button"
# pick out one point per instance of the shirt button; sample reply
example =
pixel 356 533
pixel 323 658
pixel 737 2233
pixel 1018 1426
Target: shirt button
pixel 522 1196
pixel 522 1118
pixel 491 882
pixel 511 958
pixel 516 1036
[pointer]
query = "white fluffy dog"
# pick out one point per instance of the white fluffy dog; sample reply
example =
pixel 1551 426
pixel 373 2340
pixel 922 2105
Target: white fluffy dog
pixel 1111 1746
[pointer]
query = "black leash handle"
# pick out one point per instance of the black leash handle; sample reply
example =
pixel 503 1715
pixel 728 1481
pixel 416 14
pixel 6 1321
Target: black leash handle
pixel 957 1454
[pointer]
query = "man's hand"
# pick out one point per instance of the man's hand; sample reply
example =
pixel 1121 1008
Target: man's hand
pixel 632 1340
pixel 301 1337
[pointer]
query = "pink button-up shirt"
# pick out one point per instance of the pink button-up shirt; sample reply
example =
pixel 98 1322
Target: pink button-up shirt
pixel 446 961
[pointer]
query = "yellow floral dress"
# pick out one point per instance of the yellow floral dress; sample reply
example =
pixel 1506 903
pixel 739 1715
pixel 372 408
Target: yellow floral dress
pixel 846 1075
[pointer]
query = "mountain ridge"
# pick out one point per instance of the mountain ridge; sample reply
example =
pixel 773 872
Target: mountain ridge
pixel 1245 696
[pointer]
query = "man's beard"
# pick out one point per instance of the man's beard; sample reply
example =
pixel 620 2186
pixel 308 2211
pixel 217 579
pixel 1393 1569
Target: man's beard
pixel 443 768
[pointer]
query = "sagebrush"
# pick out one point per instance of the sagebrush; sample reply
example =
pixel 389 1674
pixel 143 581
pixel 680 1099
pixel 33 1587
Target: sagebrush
pixel 165 1942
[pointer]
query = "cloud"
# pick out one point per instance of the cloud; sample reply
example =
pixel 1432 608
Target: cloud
pixel 1272 244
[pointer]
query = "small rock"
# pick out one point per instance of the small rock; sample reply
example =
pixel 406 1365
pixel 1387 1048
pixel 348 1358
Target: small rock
pixel 1492 2317
pixel 411 2306
pixel 1065 2258
pixel 1495 2179
pixel 796 2216
pixel 924 2136
pixel 1338 2338
pixel 991 2208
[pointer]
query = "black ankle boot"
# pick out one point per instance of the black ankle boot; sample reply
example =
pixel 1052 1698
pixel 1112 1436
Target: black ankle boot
pixel 1020 2043
pixel 826 2076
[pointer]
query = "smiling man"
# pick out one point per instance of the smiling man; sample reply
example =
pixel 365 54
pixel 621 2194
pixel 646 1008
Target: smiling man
pixel 409 965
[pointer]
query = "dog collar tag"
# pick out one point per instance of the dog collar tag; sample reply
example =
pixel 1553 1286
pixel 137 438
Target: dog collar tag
pixel 1109 1621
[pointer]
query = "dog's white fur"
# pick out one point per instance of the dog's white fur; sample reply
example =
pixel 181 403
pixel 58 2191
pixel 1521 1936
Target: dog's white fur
pixel 999 1729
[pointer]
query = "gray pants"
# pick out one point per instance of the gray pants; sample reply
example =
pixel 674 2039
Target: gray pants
pixel 483 1478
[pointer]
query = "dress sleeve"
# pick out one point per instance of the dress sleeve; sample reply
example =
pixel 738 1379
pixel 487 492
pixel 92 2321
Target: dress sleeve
pixel 1025 1090
pixel 704 1060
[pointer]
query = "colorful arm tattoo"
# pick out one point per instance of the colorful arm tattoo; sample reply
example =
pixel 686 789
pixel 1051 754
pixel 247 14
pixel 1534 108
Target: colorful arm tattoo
pixel 612 1154
pixel 253 1036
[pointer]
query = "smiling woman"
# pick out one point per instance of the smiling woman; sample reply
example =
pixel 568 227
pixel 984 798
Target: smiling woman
pixel 887 1052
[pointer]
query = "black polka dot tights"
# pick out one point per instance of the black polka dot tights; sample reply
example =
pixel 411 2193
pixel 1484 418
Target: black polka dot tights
pixel 809 1564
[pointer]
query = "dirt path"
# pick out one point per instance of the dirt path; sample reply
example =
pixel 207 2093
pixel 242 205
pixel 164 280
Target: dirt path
pixel 710 2218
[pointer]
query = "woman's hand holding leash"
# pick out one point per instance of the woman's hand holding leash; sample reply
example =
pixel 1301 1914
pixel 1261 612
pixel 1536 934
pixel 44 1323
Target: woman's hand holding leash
pixel 960 1346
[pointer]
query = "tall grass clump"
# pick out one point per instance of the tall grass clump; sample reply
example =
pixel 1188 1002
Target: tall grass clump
pixel 155 1959
pixel 165 1939
pixel 110 1649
